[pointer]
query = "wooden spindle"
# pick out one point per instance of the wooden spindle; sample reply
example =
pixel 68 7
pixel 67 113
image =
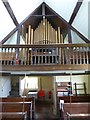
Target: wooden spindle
pixel 83 49
pixel 87 58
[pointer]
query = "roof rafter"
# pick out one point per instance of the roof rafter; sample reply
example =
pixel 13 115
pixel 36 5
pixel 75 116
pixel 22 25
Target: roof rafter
pixel 69 35
pixel 76 9
pixel 10 11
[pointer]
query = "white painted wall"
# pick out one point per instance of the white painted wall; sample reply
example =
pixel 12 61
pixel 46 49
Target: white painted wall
pixel 22 8
pixel 54 96
pixel 75 78
pixel 89 20
pixel 89 84
pixel 75 38
pixel 12 39
pixel 63 7
pixel 6 23
pixel 81 20
pixel 5 86
pixel 21 85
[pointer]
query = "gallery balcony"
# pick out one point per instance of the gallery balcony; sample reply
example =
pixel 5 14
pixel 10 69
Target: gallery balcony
pixel 45 57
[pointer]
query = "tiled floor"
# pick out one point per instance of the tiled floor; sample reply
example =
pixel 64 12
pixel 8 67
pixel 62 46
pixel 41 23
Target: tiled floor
pixel 44 111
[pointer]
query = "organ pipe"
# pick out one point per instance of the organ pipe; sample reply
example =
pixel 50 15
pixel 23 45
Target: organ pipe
pixel 62 39
pixel 26 41
pixel 59 35
pixel 43 34
pixel 29 34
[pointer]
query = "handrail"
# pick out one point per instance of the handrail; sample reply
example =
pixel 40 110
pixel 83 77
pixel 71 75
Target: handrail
pixel 44 45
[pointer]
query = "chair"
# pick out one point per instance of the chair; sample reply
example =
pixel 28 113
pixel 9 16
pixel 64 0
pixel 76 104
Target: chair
pixel 41 94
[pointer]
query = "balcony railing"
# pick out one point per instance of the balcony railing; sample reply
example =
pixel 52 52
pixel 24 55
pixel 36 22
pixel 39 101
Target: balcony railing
pixel 45 54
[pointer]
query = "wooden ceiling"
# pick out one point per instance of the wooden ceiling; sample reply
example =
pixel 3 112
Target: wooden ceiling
pixel 50 15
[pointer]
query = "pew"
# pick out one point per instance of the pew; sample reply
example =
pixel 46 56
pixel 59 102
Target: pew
pixel 80 98
pixel 13 115
pixel 21 99
pixel 18 109
pixel 75 111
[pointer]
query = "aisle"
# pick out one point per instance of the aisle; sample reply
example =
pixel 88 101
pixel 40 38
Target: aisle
pixel 44 111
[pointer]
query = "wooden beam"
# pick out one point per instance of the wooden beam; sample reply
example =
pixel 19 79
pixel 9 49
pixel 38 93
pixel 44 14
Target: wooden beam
pixel 69 35
pixel 18 35
pixel 42 15
pixel 10 11
pixel 43 10
pixel 76 9
pixel 44 68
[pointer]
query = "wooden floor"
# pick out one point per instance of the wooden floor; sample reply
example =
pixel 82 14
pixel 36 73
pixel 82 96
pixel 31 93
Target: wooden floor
pixel 44 111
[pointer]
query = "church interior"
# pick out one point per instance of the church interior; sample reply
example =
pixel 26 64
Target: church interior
pixel 45 60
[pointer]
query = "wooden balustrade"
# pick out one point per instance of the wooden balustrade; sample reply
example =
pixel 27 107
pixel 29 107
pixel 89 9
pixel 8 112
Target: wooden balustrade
pixel 45 54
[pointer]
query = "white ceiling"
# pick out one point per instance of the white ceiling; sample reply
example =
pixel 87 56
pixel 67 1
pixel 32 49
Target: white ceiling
pixel 22 8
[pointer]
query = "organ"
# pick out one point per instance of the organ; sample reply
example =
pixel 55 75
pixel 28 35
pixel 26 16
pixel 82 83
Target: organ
pixel 44 33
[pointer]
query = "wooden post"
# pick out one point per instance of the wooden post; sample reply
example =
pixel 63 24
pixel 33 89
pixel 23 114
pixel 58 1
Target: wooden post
pixel 76 89
pixel 85 88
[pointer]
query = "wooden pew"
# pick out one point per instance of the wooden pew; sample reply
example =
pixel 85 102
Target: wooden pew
pixel 68 99
pixel 13 115
pixel 17 108
pixel 76 111
pixel 21 99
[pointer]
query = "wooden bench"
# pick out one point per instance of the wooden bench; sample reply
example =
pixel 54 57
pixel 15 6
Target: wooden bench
pixel 68 99
pixel 17 108
pixel 13 115
pixel 21 99
pixel 76 111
